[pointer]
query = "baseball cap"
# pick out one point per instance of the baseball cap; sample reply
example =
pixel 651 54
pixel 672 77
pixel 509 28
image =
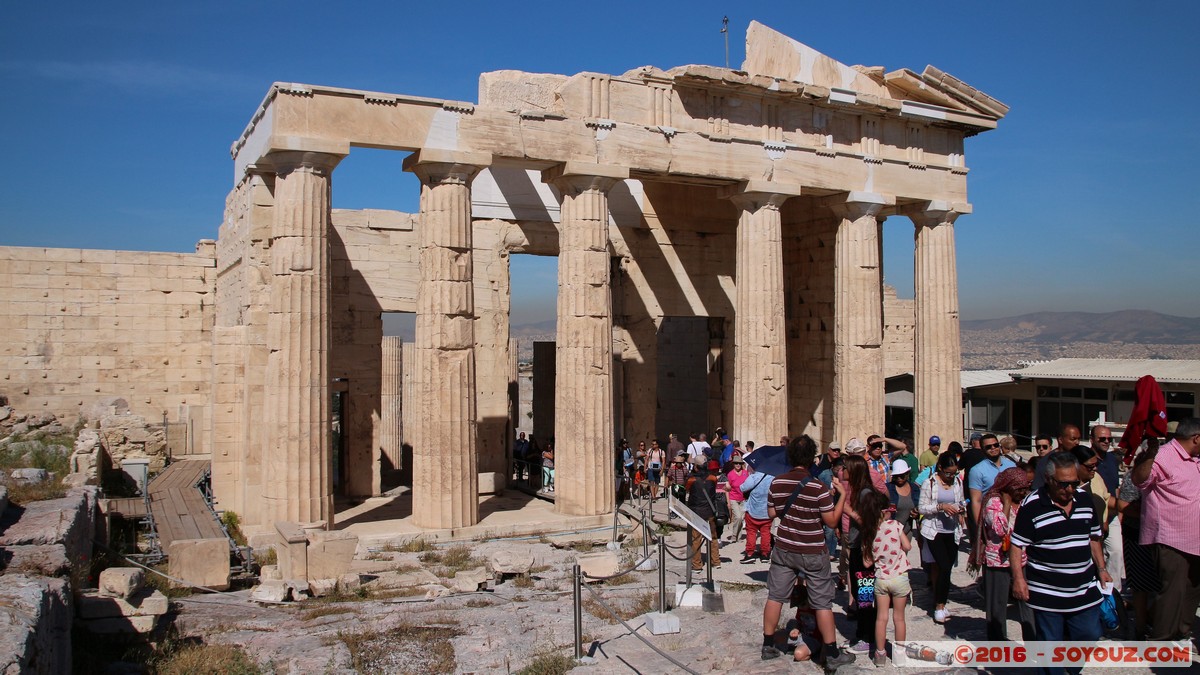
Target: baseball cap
pixel 899 466
pixel 835 446
pixel 714 465
pixel 855 446
pixel 935 440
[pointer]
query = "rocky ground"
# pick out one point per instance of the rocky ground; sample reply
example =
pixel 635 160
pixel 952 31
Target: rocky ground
pixel 405 624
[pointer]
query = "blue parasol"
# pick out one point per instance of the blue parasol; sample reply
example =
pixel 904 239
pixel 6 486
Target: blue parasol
pixel 769 459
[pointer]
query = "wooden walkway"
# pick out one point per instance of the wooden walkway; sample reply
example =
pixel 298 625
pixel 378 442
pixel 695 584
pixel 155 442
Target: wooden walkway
pixel 179 509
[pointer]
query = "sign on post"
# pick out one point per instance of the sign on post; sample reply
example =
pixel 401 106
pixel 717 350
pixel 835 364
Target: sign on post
pixel 699 524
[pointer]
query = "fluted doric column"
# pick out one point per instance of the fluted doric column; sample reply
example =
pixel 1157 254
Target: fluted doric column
pixel 583 396
pixel 297 476
pixel 858 404
pixel 445 473
pixel 760 402
pixel 391 429
pixel 938 388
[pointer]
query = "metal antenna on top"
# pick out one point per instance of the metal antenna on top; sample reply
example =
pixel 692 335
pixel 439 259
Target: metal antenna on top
pixel 725 30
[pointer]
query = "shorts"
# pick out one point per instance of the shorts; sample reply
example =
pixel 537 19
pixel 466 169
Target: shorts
pixel 896 586
pixel 786 566
pixel 653 474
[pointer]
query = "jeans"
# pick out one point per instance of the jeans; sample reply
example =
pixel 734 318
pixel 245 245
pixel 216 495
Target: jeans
pixel 831 541
pixel 1080 626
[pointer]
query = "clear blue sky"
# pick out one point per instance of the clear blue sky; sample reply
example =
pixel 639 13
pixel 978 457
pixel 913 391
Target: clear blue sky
pixel 117 118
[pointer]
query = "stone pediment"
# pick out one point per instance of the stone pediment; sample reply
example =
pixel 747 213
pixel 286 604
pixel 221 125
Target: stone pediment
pixel 772 54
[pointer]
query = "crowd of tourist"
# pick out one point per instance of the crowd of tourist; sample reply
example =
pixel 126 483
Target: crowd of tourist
pixel 1055 533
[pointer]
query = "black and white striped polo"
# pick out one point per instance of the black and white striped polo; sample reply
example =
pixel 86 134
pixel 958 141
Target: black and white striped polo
pixel 1059 569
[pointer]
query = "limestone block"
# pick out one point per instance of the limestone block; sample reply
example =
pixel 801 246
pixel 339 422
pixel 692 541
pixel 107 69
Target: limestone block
pixel 393 580
pixel 510 561
pixel 69 521
pixel 271 590
pixel 35 635
pixel 602 564
pixel 330 554
pixel 270 572
pixel 202 562
pixel 298 589
pixel 469 581
pixel 661 623
pixel 124 624
pixel 147 602
pixel 78 480
pixel 491 482
pixel 436 591
pixel 29 476
pixel 46 560
pixel 348 583
pixel 292 550
pixel 121 582
pixel 322 587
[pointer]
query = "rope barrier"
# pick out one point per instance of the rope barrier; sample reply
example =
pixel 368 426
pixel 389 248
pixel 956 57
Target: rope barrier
pixel 633 631
pixel 618 574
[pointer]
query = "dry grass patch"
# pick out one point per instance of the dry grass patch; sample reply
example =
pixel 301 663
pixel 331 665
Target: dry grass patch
pixel 523 581
pixel 325 610
pixel 548 664
pixel 621 580
pixel 418 545
pixel 407 648
pixel 203 659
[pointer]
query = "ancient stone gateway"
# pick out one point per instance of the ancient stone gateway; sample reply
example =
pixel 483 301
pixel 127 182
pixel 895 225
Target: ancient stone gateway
pixel 753 199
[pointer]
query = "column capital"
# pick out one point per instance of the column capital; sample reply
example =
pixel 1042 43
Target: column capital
pixel 752 195
pixel 854 205
pixel 579 177
pixel 935 212
pixel 435 166
pixel 284 162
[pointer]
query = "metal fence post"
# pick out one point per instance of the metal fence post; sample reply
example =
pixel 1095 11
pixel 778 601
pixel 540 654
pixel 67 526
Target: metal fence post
pixel 576 594
pixel 662 575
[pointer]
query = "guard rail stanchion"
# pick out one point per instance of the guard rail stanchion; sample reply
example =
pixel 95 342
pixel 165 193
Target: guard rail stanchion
pixel 687 556
pixel 645 535
pixel 662 575
pixel 576 594
pixel 708 555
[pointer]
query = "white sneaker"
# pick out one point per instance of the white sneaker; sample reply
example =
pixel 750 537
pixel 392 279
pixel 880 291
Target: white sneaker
pixel 939 615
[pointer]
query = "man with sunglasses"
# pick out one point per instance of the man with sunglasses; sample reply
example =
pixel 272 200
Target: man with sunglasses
pixel 1059 531
pixel 1107 469
pixel 1042 444
pixel 983 474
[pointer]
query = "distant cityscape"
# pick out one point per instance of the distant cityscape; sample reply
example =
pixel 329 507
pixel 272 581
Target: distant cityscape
pixel 1003 343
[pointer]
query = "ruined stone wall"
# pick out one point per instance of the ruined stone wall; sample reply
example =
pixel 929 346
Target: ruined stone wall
pixel 899 332
pixel 678 261
pixel 373 270
pixel 240 347
pixel 81 325
pixel 809 235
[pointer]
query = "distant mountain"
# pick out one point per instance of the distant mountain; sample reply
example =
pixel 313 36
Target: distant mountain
pixel 1129 326
pixel 539 330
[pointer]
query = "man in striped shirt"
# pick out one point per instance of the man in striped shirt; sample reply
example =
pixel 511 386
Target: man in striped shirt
pixel 804 507
pixel 1060 531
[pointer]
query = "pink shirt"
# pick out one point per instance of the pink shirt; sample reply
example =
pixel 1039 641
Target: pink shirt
pixel 880 473
pixel 1171 500
pixel 735 484
pixel 890 559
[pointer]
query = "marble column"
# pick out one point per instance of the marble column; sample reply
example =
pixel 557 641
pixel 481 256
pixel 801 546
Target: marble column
pixel 583 399
pixel 297 471
pixel 858 405
pixel 390 402
pixel 937 405
pixel 760 401
pixel 445 473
